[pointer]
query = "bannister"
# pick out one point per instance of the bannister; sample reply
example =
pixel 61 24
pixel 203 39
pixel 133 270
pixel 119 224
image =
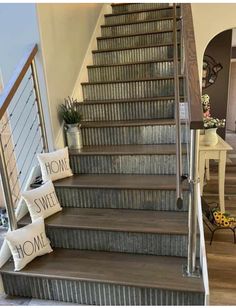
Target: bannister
pixel 22 132
pixel 15 81
pixel 190 57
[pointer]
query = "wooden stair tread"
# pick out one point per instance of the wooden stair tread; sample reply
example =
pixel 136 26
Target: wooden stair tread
pixel 129 63
pixel 130 48
pixel 129 80
pixel 120 181
pixel 117 220
pixel 133 34
pixel 127 150
pixel 155 222
pixel 106 267
pixel 137 22
pixel 128 123
pixel 128 100
pixel 141 11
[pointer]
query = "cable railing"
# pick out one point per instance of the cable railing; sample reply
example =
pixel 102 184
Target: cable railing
pixel 22 131
pixel 193 122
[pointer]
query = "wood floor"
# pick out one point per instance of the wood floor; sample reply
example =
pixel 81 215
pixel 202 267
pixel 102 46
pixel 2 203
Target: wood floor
pixel 221 254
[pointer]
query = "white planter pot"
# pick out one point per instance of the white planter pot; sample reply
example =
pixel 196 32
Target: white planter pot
pixel 74 136
pixel 210 137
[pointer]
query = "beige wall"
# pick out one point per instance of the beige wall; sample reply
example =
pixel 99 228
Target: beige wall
pixel 65 30
pixel 210 19
pixel 231 114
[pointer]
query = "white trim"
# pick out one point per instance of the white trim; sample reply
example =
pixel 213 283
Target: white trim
pixel 88 59
pixel 203 257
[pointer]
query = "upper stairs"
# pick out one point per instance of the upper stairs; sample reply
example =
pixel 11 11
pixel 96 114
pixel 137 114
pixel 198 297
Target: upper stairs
pixel 120 239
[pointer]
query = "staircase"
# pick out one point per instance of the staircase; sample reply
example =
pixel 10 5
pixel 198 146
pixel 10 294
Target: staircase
pixel 120 239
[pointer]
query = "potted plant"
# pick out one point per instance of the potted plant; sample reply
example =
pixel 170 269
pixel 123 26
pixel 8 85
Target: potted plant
pixel 72 116
pixel 210 123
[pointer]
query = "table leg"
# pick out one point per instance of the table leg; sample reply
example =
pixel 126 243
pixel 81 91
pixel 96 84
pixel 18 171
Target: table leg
pixel 221 180
pixel 207 169
pixel 201 169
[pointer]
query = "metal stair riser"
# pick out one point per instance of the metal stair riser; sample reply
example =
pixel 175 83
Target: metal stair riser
pixel 141 16
pixel 125 164
pixel 131 72
pixel 138 7
pixel 133 55
pixel 159 109
pixel 159 134
pixel 95 293
pixel 132 89
pixel 137 40
pixel 118 241
pixel 136 199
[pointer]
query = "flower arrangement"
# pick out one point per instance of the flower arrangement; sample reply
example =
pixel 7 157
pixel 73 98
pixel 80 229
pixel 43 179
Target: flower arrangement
pixel 70 111
pixel 208 120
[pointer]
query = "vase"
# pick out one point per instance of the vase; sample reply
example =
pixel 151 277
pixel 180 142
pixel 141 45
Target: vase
pixel 210 137
pixel 74 136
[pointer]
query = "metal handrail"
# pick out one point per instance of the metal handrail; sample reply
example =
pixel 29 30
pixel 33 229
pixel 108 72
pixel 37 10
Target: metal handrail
pixel 179 197
pixel 27 62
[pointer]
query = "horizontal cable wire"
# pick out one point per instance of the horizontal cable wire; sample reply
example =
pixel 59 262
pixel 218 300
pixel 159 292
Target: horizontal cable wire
pixel 26 156
pixel 11 113
pixel 15 145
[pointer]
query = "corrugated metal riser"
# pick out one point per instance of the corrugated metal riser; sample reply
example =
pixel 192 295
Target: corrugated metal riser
pixel 125 164
pixel 151 26
pixel 143 199
pixel 95 293
pixel 131 72
pixel 159 109
pixel 133 55
pixel 159 134
pixel 128 242
pixel 138 7
pixel 141 16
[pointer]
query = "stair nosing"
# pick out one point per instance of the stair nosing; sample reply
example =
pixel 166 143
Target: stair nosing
pixel 129 63
pixel 129 100
pixel 117 181
pixel 133 34
pixel 159 149
pixel 141 11
pixel 84 215
pixel 138 22
pixel 130 48
pixel 128 123
pixel 130 80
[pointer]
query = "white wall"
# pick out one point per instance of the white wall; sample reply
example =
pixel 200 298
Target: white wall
pixel 210 19
pixel 66 30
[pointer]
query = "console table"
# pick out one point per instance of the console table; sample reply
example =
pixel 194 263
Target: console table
pixel 217 152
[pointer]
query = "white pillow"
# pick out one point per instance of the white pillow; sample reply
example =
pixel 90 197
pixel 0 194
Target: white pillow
pixel 42 201
pixel 55 165
pixel 28 243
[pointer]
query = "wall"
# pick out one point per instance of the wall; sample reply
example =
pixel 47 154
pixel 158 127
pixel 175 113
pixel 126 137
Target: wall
pixel 209 20
pixel 219 49
pixel 66 30
pixel 231 115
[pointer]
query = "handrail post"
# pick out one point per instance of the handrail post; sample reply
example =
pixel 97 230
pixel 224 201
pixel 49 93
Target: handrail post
pixel 39 105
pixel 191 270
pixel 177 116
pixel 7 190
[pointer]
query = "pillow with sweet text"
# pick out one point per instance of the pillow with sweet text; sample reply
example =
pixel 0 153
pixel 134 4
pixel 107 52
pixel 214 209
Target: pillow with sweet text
pixel 42 201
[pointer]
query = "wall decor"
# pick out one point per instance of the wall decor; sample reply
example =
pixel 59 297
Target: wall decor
pixel 210 71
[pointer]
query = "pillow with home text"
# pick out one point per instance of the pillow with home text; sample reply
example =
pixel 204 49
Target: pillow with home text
pixel 27 243
pixel 42 201
pixel 55 165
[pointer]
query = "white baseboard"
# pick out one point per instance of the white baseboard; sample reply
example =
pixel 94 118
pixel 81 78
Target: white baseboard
pixel 88 60
pixel 83 73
